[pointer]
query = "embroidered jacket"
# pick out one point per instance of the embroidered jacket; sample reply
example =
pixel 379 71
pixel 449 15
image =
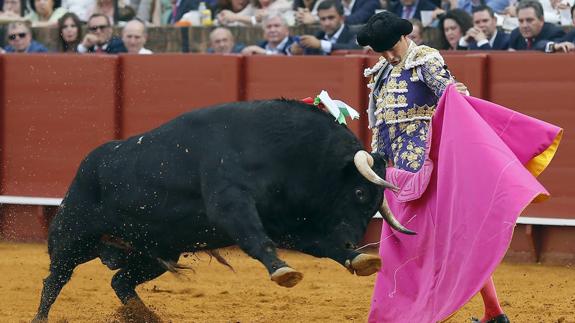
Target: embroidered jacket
pixel 402 102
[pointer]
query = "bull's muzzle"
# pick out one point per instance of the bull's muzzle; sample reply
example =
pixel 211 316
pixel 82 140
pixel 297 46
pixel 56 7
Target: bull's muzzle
pixel 364 264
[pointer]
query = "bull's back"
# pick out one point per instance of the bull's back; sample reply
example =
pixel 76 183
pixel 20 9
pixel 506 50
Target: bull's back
pixel 263 142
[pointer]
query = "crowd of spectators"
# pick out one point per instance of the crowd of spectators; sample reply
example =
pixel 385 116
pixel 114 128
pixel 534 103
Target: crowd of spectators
pixel 86 26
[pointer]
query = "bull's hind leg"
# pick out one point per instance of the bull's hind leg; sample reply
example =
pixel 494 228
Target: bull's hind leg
pixel 138 270
pixel 65 256
pixel 234 211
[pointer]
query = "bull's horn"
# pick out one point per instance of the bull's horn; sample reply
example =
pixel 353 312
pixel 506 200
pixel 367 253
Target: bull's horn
pixel 363 161
pixel 391 220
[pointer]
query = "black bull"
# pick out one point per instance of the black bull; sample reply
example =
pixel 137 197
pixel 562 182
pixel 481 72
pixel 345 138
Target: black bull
pixel 259 175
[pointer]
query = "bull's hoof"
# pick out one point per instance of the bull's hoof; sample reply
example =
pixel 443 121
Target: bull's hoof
pixel 287 277
pixel 40 320
pixel 365 265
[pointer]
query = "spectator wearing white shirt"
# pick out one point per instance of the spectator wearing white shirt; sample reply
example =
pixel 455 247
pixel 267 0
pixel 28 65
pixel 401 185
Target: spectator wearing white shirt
pixel 82 8
pixel 134 36
pixel 552 10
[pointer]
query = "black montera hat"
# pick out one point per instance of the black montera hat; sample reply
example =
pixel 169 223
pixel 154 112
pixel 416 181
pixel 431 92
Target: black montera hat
pixel 383 30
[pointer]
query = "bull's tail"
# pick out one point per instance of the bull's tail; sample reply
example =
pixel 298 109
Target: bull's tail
pixel 220 259
pixel 173 267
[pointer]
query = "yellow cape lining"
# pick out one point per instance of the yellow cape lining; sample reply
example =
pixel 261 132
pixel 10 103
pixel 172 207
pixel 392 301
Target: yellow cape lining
pixel 538 164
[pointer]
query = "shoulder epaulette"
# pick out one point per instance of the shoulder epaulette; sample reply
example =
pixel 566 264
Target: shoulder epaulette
pixel 421 55
pixel 370 71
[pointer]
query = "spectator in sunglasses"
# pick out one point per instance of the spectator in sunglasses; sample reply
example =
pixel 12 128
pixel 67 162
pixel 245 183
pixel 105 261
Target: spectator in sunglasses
pixel 45 13
pixel 99 37
pixel 20 39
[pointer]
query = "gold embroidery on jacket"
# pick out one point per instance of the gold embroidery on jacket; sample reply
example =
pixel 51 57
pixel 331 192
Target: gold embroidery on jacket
pixel 405 151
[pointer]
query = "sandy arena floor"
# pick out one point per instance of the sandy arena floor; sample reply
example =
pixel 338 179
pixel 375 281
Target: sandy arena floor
pixel 328 293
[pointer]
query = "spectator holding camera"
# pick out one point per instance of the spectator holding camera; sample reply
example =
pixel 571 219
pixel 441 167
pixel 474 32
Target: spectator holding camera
pixel 484 34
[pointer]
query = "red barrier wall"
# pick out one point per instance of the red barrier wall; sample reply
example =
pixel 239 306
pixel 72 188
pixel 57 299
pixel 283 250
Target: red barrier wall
pixel 157 88
pixel 23 223
pixel 56 108
pixel 469 69
pixel 542 86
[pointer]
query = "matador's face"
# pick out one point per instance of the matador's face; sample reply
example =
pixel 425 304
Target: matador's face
pixel 396 54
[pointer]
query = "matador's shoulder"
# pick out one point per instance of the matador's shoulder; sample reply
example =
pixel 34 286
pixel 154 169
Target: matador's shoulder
pixel 372 71
pixel 421 55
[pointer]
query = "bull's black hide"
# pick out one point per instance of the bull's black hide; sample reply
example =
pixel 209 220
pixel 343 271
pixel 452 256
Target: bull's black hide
pixel 259 175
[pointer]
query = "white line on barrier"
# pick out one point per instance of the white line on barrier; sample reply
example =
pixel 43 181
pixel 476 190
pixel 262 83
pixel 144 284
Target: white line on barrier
pixel 28 200
pixel 52 201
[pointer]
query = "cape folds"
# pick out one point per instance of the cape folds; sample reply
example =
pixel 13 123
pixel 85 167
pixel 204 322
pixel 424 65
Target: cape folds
pixel 485 161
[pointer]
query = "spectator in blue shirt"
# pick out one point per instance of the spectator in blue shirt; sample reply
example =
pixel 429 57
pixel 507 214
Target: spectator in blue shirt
pixel 20 39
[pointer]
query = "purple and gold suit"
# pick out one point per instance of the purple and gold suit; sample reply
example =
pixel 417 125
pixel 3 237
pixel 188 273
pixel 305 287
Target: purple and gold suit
pixel 402 102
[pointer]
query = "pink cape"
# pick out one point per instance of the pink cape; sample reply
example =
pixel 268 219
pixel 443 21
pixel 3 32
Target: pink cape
pixel 485 159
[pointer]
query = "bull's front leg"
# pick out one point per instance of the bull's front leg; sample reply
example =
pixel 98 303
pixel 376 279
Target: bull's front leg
pixel 234 211
pixel 338 247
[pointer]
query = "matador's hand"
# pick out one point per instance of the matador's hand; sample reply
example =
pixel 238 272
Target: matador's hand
pixel 461 88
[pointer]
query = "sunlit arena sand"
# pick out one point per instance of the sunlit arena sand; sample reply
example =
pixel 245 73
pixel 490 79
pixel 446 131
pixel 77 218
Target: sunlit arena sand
pixel 213 293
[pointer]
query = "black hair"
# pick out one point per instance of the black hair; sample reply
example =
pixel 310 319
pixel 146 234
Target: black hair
pixel 55 4
pixel 100 15
pixel 327 4
pixel 64 45
pixel 536 5
pixel 461 17
pixel 483 8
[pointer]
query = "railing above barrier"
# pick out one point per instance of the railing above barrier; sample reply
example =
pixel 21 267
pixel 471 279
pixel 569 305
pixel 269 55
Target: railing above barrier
pixel 29 200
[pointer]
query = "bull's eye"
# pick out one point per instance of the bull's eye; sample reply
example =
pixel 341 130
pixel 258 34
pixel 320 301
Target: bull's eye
pixel 360 195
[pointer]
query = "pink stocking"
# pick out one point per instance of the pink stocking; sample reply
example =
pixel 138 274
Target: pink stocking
pixel 490 301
